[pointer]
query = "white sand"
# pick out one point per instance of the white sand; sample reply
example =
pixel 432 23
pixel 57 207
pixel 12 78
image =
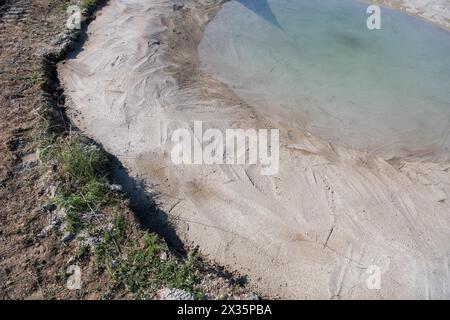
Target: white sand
pixel 309 232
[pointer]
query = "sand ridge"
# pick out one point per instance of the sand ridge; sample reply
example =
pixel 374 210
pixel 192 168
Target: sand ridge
pixel 313 230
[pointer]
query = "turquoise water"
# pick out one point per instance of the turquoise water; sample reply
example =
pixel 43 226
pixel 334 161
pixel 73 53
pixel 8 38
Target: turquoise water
pixel 317 64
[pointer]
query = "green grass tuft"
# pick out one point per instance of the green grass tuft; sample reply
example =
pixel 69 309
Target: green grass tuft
pixel 82 252
pixel 141 271
pixel 88 4
pixel 35 78
pixel 84 166
pixel 135 270
pixel 108 248
pixel 92 195
pixel 73 222
pixel 82 161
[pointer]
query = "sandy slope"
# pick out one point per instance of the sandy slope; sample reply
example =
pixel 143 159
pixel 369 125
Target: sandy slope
pixel 309 232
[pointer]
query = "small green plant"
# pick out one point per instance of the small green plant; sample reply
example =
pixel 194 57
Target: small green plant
pixel 181 275
pixel 82 252
pixel 83 165
pixel 141 272
pixel 62 276
pixel 82 161
pixel 70 201
pixel 35 78
pixel 73 222
pixel 95 193
pixel 119 228
pixel 92 195
pixel 108 248
pixel 88 4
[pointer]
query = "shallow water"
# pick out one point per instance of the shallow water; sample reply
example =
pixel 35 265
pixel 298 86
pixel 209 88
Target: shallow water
pixel 316 62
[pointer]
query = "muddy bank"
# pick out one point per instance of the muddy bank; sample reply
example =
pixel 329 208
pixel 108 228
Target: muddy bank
pixel 312 231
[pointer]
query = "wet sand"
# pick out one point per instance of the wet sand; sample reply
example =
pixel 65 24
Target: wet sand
pixel 313 230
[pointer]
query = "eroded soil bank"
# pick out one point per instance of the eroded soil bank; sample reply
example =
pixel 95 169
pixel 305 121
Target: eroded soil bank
pixel 316 229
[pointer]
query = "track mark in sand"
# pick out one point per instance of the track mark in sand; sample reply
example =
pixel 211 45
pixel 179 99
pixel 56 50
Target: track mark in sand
pixel 16 12
pixel 314 175
pixel 210 226
pixel 329 193
pixel 252 182
pixel 175 205
pixel 331 200
pixel 342 274
pixel 328 238
pixel 250 179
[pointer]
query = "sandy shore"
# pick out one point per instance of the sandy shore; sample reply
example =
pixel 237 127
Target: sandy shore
pixel 312 231
pixel 434 11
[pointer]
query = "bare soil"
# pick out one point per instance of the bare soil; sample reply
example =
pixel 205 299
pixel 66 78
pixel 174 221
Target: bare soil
pixel 25 263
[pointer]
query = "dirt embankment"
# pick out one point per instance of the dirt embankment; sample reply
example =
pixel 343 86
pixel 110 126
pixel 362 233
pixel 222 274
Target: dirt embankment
pixel 59 206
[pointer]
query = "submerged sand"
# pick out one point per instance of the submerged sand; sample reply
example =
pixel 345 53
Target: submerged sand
pixel 312 231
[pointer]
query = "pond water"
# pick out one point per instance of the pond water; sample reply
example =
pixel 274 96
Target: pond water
pixel 316 63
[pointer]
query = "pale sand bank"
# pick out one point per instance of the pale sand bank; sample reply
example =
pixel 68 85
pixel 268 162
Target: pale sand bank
pixel 309 232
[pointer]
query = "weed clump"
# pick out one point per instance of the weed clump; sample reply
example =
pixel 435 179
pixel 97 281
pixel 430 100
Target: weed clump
pixel 88 4
pixel 136 267
pixel 141 271
pixel 82 161
pixel 84 189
